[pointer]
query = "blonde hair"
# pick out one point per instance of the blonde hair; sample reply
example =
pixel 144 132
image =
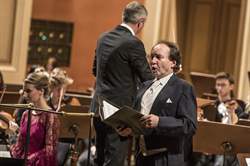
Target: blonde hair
pixel 40 80
pixel 59 77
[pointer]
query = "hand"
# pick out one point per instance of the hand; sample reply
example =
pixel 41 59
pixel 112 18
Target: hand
pixel 125 132
pixel 13 126
pixel 150 121
pixel 200 114
pixel 231 105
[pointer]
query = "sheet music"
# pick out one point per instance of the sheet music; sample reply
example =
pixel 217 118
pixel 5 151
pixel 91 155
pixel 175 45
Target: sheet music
pixel 248 161
pixel 5 154
pixel 108 109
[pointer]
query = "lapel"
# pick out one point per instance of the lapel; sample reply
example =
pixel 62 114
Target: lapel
pixel 164 94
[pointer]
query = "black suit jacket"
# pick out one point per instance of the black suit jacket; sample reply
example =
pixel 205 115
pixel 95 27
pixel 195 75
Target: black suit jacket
pixel 177 122
pixel 120 61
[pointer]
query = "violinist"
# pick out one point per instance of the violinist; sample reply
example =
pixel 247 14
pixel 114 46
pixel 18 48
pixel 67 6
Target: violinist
pixel 58 85
pixel 229 109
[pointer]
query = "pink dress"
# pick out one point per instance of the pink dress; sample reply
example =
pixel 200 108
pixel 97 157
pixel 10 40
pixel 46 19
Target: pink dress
pixel 43 139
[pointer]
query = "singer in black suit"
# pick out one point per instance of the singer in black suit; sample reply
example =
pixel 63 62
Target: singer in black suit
pixel 169 107
pixel 120 64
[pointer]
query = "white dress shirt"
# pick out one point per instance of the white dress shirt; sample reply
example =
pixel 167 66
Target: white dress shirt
pixel 152 92
pixel 129 28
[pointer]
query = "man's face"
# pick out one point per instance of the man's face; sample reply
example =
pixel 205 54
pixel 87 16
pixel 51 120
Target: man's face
pixel 223 87
pixel 160 63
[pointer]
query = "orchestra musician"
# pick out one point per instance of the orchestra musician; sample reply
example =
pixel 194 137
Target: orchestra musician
pixel 228 111
pixel 43 128
pixel 22 100
pixel 58 85
pixel 8 126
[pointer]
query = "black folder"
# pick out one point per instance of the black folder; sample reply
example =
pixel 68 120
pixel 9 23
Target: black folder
pixel 123 117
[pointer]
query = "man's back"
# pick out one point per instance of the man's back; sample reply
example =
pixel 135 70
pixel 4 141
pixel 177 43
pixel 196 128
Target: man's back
pixel 120 61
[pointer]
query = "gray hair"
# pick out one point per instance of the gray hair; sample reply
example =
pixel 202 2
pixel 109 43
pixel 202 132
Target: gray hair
pixel 134 13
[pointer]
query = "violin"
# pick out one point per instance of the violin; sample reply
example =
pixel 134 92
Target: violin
pixel 7 123
pixel 5 119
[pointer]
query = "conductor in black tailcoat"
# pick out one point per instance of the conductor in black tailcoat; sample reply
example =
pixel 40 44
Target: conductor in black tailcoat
pixel 120 61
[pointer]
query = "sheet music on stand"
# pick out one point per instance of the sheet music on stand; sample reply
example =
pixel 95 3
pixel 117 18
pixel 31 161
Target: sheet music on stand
pixel 120 117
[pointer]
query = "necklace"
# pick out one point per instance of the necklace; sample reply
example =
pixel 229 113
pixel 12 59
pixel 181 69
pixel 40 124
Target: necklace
pixel 35 112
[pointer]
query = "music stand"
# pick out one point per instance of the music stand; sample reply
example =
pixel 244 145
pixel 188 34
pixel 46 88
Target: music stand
pixel 202 82
pixel 11 161
pixel 5 158
pixel 244 122
pixel 83 99
pixel 203 102
pixel 75 108
pixel 9 97
pixel 218 138
pixel 77 125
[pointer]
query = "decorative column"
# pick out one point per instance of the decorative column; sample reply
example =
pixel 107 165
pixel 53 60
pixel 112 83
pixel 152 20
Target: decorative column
pixel 15 16
pixel 161 22
pixel 244 67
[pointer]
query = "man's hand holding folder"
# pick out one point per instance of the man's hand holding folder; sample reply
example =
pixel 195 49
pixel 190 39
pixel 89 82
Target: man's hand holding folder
pixel 147 121
pixel 126 120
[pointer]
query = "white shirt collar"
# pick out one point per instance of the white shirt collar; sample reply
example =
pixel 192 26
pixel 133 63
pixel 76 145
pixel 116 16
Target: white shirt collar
pixel 165 79
pixel 129 28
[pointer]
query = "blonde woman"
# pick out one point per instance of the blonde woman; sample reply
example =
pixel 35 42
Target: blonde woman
pixel 43 128
pixel 58 85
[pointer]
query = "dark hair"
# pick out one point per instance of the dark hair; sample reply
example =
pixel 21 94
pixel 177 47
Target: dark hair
pixel 224 75
pixel 227 76
pixel 174 54
pixel 134 13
